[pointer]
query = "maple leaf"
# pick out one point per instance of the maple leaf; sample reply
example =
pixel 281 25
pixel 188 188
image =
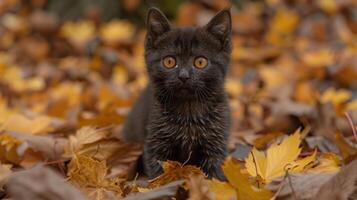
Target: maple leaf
pixel 89 173
pixel 20 123
pixel 238 184
pixel 174 171
pixel 91 142
pixel 223 190
pixel 328 162
pixel 278 159
pixel 5 171
pixel 78 32
pixel 318 58
pixel 199 188
pixel 85 135
pixel 8 149
pixel 117 31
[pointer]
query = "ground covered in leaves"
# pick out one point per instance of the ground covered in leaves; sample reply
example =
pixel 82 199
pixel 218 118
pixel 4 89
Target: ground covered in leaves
pixel 66 88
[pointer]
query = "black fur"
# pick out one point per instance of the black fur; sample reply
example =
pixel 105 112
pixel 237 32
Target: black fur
pixel 184 121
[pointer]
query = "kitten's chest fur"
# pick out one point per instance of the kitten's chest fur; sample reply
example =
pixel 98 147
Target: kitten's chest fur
pixel 189 128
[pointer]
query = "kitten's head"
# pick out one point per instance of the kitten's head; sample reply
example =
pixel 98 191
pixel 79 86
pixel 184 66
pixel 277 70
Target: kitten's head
pixel 187 62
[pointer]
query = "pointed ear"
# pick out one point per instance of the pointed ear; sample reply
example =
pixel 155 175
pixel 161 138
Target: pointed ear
pixel 220 25
pixel 157 23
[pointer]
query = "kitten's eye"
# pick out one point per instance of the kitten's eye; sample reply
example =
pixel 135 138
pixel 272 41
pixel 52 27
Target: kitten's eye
pixel 169 62
pixel 200 62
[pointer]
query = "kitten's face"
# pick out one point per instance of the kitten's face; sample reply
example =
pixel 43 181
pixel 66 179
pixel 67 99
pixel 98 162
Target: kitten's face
pixel 186 62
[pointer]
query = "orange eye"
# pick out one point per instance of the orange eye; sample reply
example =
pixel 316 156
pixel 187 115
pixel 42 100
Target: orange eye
pixel 200 62
pixel 169 62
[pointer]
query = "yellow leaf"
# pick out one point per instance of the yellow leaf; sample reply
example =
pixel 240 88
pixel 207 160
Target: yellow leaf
pixel 71 92
pixel 300 165
pixel 233 87
pixel 328 162
pixel 222 190
pixel 318 58
pixel 352 105
pixel 278 159
pixel 8 149
pixel 174 171
pixel 305 93
pixel 85 135
pixel 336 97
pixel 284 21
pixel 272 77
pixel 260 142
pixel 87 172
pixel 78 32
pixel 240 181
pixel 100 150
pixel 22 124
pixel 116 31
pixel 198 189
pixel 282 25
pixel 5 171
pixel 14 77
pixel 329 6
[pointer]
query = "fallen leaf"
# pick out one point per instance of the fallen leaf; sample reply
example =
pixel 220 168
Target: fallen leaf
pixel 198 189
pixel 41 183
pixel 174 171
pixel 222 190
pixel 303 185
pixel 168 190
pixel 84 136
pixel 5 171
pixel 8 149
pixel 341 186
pixel 22 124
pixel 90 174
pixel 278 159
pixel 328 163
pixel 240 181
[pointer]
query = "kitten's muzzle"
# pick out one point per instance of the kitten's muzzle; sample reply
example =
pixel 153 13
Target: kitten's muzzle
pixel 183 75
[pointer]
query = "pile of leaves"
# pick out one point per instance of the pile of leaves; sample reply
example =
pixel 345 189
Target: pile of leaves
pixel 66 88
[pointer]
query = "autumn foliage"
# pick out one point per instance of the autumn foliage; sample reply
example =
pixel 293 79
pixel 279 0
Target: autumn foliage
pixel 67 86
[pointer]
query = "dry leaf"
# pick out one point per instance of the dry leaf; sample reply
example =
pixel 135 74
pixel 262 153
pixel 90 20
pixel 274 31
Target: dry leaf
pixel 90 174
pixel 165 191
pixel 240 181
pixel 174 171
pixel 222 190
pixel 198 189
pixel 8 149
pixel 41 183
pixel 341 186
pixel 303 186
pixel 84 136
pixel 22 124
pixel 278 159
pixel 5 172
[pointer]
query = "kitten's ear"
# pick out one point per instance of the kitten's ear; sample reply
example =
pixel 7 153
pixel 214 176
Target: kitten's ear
pixel 157 23
pixel 220 25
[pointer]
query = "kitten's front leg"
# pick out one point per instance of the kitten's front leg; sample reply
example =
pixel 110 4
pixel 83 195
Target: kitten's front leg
pixel 213 158
pixel 153 154
pixel 151 165
pixel 213 168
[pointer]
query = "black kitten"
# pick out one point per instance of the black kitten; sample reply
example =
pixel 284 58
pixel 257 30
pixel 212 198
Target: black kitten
pixel 183 114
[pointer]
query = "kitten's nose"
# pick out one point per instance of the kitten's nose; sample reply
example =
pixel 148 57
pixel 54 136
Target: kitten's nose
pixel 183 75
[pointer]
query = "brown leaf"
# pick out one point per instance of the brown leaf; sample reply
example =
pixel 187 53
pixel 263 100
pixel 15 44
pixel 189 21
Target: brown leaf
pixel 174 171
pixel 341 186
pixel 168 190
pixel 41 183
pixel 198 189
pixel 303 186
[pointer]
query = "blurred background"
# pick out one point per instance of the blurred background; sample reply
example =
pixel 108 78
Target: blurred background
pixel 80 62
